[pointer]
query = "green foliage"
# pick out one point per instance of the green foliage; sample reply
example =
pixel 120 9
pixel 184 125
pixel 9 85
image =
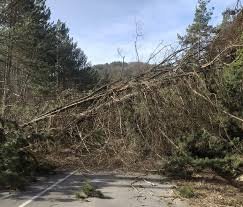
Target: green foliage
pixel 187 192
pixel 231 94
pixel 202 144
pixel 200 28
pixel 179 166
pixel 233 85
pixel 87 191
pixel 16 163
pixel 205 151
pixel 198 34
pixel 80 195
pixel 38 56
pixel 12 180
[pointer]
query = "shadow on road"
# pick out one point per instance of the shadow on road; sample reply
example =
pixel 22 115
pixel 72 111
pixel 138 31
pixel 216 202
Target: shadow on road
pixel 110 184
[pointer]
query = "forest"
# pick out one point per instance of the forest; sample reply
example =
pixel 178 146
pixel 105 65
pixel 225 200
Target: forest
pixel 181 118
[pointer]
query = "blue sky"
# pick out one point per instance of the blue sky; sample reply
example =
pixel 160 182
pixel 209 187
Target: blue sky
pixel 102 26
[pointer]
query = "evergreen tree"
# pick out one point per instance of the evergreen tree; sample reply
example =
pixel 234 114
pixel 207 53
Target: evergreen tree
pixel 199 33
pixel 36 56
pixel 72 67
pixel 23 28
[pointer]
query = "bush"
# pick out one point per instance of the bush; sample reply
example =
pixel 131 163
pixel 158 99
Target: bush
pixel 186 192
pixel 231 94
pixel 17 164
pixel 88 191
pixel 204 151
pixel 233 84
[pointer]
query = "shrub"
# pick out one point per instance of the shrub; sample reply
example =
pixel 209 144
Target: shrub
pixel 89 190
pixel 233 84
pixel 205 151
pixel 231 94
pixel 187 192
pixel 17 164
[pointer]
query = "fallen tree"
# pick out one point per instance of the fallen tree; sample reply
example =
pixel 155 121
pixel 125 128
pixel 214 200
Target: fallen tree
pixel 146 122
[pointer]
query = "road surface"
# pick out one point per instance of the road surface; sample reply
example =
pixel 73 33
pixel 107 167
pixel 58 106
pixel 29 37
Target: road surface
pixel 120 191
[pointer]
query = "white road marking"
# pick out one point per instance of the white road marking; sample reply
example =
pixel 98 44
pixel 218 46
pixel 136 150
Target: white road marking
pixel 46 190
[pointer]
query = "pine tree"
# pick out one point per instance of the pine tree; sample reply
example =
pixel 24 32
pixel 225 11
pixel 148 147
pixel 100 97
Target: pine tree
pixel 72 67
pixel 199 33
pixel 23 27
pixel 36 56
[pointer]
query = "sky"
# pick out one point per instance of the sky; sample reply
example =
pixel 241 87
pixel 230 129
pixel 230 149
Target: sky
pixel 100 27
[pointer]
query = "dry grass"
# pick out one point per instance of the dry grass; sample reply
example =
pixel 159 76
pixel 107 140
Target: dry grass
pixel 213 191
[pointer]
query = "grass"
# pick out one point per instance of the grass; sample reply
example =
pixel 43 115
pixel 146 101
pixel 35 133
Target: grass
pixel 89 191
pixel 187 192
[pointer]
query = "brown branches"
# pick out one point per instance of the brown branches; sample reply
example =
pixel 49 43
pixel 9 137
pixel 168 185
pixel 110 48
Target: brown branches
pixel 220 54
pixel 214 105
pixel 106 92
pixel 95 96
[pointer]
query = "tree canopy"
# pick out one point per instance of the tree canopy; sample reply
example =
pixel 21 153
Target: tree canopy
pixel 200 32
pixel 37 55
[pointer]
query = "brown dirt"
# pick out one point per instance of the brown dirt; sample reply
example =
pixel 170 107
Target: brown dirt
pixel 213 191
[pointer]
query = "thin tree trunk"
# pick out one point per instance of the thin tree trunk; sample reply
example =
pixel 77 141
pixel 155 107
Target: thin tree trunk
pixel 8 65
pixel 4 91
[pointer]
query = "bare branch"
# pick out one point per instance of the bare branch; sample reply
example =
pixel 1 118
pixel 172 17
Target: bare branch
pixel 220 54
pixel 119 51
pixel 139 34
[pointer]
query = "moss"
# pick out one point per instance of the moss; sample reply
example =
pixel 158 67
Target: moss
pixel 89 191
pixel 187 192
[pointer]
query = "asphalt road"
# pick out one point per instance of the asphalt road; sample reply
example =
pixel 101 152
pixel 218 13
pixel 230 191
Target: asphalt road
pixel 120 191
